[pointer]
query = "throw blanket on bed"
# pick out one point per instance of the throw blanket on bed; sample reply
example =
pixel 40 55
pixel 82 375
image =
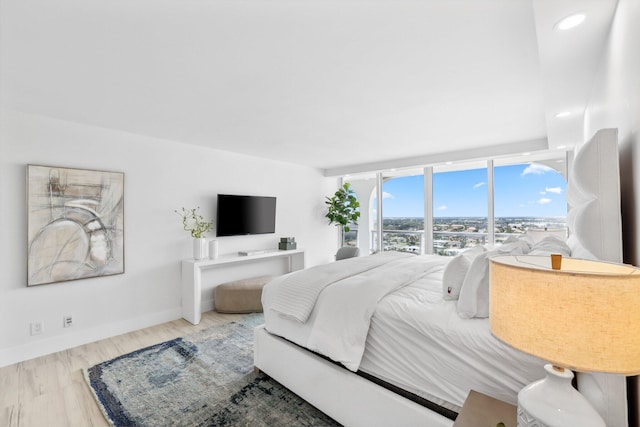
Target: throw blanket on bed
pixel 342 321
pixel 347 296
pixel 297 293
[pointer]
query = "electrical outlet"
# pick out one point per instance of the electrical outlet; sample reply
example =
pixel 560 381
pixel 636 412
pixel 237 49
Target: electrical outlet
pixel 67 321
pixel 37 328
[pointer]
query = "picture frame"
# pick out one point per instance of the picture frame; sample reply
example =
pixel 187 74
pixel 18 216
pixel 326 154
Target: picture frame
pixel 75 224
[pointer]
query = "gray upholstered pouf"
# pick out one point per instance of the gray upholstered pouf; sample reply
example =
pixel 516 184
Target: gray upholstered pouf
pixel 240 296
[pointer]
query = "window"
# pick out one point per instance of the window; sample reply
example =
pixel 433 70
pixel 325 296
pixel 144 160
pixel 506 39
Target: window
pixel 460 206
pixel 529 195
pixel 403 213
pixel 528 192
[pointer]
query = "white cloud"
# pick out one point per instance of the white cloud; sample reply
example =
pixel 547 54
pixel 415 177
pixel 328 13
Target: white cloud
pixel 386 195
pixel 544 201
pixel 554 190
pixel 442 208
pixel 542 193
pixel 478 185
pixel 536 169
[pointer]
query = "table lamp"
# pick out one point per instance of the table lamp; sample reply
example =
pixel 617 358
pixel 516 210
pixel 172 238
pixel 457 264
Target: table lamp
pixel 582 316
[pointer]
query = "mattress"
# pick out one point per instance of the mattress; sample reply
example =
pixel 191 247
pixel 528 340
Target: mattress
pixel 417 342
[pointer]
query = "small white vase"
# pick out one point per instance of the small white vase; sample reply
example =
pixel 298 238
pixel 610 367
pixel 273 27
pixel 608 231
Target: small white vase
pixel 200 248
pixel 213 249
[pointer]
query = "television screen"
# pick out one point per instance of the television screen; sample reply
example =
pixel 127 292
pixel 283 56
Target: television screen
pixel 239 215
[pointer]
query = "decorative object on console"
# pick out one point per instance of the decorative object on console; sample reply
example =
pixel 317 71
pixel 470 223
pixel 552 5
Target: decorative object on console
pixel 252 252
pixel 213 249
pixel 344 208
pixel 287 243
pixel 200 248
pixel 75 224
pixel 194 223
pixel 577 317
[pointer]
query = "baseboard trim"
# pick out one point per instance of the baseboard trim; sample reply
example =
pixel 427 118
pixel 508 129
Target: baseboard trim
pixel 207 305
pixel 69 340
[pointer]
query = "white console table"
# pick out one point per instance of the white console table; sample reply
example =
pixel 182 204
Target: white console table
pixel 192 275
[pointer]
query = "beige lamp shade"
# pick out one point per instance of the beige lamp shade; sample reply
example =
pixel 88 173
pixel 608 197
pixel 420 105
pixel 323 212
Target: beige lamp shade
pixel 585 316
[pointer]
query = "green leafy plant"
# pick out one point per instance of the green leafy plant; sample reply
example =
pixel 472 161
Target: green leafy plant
pixel 344 208
pixel 194 223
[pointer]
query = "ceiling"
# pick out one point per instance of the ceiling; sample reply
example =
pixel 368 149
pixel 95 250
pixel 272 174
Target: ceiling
pixel 341 85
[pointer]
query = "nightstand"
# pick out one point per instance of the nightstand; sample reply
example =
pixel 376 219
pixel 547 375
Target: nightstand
pixel 480 410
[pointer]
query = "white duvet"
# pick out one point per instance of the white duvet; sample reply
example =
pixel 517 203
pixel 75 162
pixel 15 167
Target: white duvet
pixel 295 295
pixel 339 329
pixel 392 322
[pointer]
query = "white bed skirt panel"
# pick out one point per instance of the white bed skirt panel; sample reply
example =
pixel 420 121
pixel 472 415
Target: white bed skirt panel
pixel 346 397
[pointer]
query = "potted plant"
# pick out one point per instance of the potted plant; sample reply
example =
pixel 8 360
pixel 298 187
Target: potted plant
pixel 194 223
pixel 344 208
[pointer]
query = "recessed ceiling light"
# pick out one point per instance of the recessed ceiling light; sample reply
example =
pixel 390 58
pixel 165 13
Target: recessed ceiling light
pixel 570 21
pixel 561 147
pixel 563 114
pixel 449 163
pixel 526 154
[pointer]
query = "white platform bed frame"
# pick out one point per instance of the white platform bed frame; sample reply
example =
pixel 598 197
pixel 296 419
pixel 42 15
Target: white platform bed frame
pixel 344 396
pixel 355 401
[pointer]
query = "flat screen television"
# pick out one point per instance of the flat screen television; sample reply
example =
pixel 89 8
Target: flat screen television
pixel 241 215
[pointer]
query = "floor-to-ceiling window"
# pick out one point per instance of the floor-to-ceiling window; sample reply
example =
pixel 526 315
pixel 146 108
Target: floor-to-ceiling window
pixel 460 208
pixel 403 212
pixel 467 204
pixel 529 195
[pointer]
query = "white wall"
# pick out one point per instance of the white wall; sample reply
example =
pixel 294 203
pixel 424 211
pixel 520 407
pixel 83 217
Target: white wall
pixel 160 176
pixel 615 102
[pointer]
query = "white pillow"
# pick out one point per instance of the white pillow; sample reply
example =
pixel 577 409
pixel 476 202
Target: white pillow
pixel 551 245
pixel 519 246
pixel 539 234
pixel 527 238
pixel 456 270
pixel 474 295
pixel 510 239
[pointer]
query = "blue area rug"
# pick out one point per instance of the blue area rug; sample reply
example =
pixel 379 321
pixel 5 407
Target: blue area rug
pixel 206 379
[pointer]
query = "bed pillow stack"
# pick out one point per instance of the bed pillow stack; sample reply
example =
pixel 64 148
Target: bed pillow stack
pixel 474 295
pixel 456 270
pixel 473 291
pixel 551 245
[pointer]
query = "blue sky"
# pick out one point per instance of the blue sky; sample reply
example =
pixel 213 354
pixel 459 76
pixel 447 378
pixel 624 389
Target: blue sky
pixel 520 190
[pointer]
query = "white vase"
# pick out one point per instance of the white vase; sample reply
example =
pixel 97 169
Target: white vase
pixel 200 248
pixel 213 249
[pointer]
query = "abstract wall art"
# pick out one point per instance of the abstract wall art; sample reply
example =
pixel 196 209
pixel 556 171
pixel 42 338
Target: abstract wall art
pixel 75 224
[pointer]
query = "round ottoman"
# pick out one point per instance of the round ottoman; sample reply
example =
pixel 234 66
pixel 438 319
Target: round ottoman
pixel 240 296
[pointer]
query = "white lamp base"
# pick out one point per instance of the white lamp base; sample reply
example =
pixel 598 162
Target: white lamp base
pixel 553 402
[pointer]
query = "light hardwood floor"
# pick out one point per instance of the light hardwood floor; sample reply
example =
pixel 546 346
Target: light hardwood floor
pixel 51 390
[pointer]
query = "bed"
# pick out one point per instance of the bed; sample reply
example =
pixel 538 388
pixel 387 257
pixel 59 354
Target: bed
pixel 408 350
